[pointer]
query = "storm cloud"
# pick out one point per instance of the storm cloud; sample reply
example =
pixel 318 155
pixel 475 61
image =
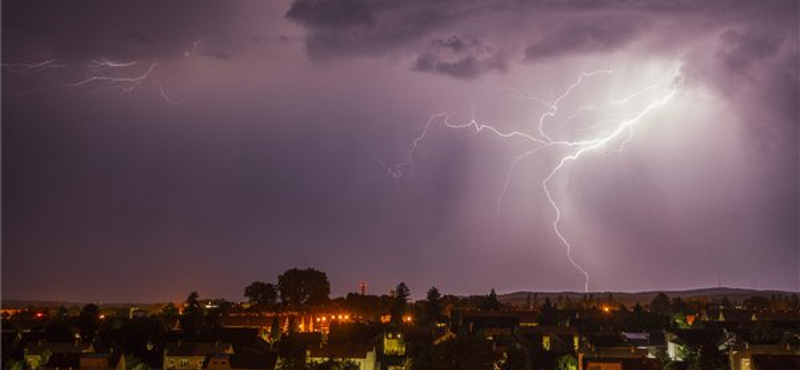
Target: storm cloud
pixel 265 135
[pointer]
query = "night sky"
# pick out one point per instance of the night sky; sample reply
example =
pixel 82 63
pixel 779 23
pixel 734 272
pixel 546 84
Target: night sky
pixel 152 148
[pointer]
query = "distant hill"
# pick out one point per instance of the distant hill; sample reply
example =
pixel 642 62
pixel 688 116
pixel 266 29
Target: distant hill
pixel 735 295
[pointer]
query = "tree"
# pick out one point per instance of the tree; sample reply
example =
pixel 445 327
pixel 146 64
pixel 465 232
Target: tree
pixel 567 362
pixel 679 306
pixel 400 301
pixel 549 315
pixel 134 363
pixel 726 303
pixel 708 357
pixel 62 313
pixel 275 330
pixel 192 318
pixel 58 331
pixel 300 288
pixel 334 364
pixel 259 292
pixel 433 306
pixel 519 358
pixel 168 315
pixel 661 305
pixel 491 303
pixel 764 333
pixel 465 352
pixel 89 321
pixel 757 303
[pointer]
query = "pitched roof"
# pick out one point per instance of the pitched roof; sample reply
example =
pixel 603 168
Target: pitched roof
pixel 630 363
pixel 254 361
pixel 776 362
pixel 776 316
pixel 307 339
pixel 692 337
pixel 191 349
pixel 267 360
pixel 241 338
pixel 340 351
pixel 112 359
pixel 40 347
pixel 64 361
pixel 246 321
pixel 552 330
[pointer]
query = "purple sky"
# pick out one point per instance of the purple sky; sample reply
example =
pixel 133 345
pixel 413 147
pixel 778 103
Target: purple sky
pixel 260 138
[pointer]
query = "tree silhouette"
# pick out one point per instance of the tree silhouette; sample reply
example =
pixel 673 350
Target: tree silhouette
pixel 491 303
pixel 89 321
pixel 433 306
pixel 192 318
pixel 400 301
pixel 301 288
pixel 259 292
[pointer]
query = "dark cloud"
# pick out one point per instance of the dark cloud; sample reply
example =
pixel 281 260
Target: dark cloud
pixel 457 58
pixel 333 13
pixel 544 29
pixel 364 27
pixel 602 33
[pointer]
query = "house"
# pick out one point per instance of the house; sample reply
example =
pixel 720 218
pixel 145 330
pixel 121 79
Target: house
pixel 361 355
pixel 241 361
pixel 653 342
pixel 306 340
pixel 188 355
pixel 782 319
pixel 63 361
pixel 245 339
pixel 756 357
pixel 617 357
pixel 394 343
pixel 554 338
pixel 728 318
pixel 393 356
pixel 252 321
pixel 102 361
pixel 681 342
pixel 776 362
pixel 37 354
pixel 621 364
pixel 494 322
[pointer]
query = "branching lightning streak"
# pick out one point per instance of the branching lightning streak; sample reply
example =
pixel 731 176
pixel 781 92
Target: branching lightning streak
pixel 96 77
pixel 554 107
pixel 33 68
pixel 543 141
pixel 572 157
pixel 100 73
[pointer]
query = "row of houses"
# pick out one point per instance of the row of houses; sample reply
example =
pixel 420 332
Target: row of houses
pixel 593 338
pixel 70 356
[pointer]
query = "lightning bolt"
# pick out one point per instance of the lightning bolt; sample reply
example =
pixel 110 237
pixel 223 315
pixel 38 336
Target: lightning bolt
pixel 100 74
pixel 31 68
pixel 541 140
